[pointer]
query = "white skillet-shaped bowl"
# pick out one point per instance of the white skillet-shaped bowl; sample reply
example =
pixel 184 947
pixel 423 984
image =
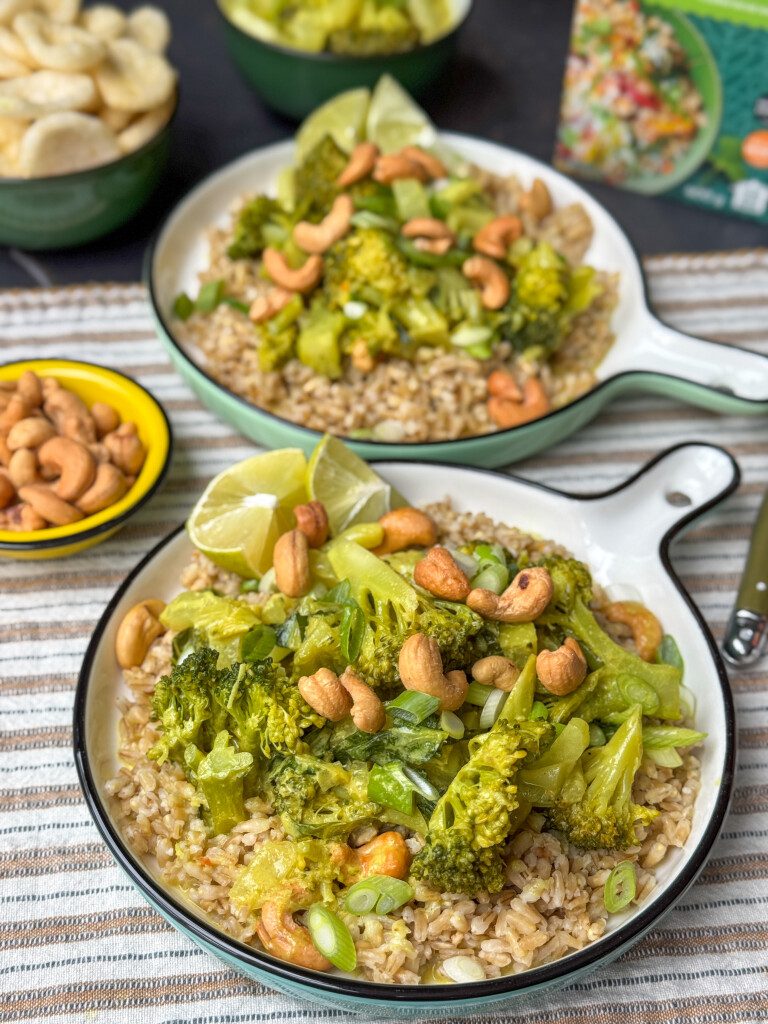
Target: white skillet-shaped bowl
pixel 646 356
pixel 624 535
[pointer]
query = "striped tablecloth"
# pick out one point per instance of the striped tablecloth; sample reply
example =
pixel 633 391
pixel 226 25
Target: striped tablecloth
pixel 77 944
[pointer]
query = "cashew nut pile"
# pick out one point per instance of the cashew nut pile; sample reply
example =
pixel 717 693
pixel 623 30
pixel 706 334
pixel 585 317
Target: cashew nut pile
pixel 59 460
pixel 79 88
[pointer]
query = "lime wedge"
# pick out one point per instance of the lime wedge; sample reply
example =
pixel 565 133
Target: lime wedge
pixel 350 490
pixel 343 118
pixel 240 14
pixel 433 17
pixel 245 509
pixel 395 120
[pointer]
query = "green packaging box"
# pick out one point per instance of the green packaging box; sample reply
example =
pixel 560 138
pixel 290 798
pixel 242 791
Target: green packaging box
pixel 670 99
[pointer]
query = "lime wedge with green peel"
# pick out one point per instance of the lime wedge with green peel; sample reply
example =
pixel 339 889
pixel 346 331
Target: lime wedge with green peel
pixel 395 120
pixel 343 118
pixel 350 490
pixel 245 509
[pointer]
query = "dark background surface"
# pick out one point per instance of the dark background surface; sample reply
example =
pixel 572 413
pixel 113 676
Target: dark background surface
pixel 504 85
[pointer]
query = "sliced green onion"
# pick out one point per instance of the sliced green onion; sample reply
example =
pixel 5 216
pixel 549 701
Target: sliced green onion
pixel 471 334
pixel 352 630
pixel 478 694
pixel 492 708
pixel 249 586
pixel 267 582
pixel 597 737
pixel 492 577
pixel 369 219
pixel 490 553
pixel 462 968
pixel 637 691
pixel 258 643
pixel 378 894
pixel 479 351
pixel 209 296
pixel 668 757
pixel 539 712
pixel 241 307
pixel 657 737
pixel 183 306
pixel 687 702
pixel 422 785
pixel 354 310
pixel 669 652
pixel 451 724
pixel 331 937
pixel 388 785
pixel 620 887
pixel 471 719
pixel 413 706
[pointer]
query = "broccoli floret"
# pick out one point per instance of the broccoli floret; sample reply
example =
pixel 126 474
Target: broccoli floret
pixel 462 635
pixel 220 777
pixel 261 222
pixel 317 345
pixel 570 579
pixel 541 780
pixel 315 179
pixel 182 705
pixel 365 265
pixel 474 818
pixel 604 816
pixel 318 798
pixel 410 744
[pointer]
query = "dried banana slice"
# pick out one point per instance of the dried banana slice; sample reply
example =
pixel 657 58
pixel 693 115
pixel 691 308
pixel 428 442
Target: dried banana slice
pixel 65 142
pixel 134 78
pixel 46 92
pixel 56 46
pixel 10 67
pixel 150 27
pixel 104 21
pixel 144 128
pixel 11 134
pixel 115 120
pixel 12 46
pixel 10 8
pixel 63 11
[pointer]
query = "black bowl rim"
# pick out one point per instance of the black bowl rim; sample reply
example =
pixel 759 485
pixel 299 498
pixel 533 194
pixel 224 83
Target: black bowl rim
pixel 558 971
pixel 326 57
pixel 52 179
pixel 47 544
pixel 603 387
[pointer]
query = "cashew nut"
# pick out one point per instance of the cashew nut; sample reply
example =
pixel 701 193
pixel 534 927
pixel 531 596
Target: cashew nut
pixel 435 168
pixel 302 280
pixel 496 670
pixel 405 528
pixel 489 278
pixel 421 668
pixel 537 201
pixel 361 356
pixel 312 520
pixel 503 384
pixel 29 388
pixel 438 573
pixel 109 485
pixel 562 671
pixel 5 452
pixel 22 468
pixel 16 410
pixel 105 418
pixel 291 563
pixel 646 628
pixel 125 448
pixel 73 463
pixel 393 166
pixel 325 694
pixel 22 518
pixel 429 234
pixel 7 491
pixel 318 238
pixel 361 163
pixel 524 600
pixel 137 631
pixel 30 432
pixel 49 505
pixel 495 238
pixel 287 940
pixel 68 412
pixel 367 710
pixel 510 412
pixel 266 306
pixel 387 854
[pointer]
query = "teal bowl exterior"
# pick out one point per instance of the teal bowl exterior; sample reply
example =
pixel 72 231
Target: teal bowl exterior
pixel 295 82
pixel 65 210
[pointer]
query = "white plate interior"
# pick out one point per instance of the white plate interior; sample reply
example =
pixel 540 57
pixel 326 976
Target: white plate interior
pixel 617 536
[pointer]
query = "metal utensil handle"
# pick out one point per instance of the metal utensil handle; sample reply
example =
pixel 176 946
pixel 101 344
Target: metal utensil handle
pixel 753 590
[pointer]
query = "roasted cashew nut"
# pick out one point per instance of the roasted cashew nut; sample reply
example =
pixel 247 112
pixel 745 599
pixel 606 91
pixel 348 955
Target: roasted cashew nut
pixel 646 628
pixel 325 694
pixel 489 278
pixel 537 201
pixel 509 412
pixel 318 238
pixel 361 163
pixel 429 234
pixel 50 506
pixel 495 238
pixel 405 528
pixel 524 600
pixel 29 433
pixel 564 670
pixel 139 628
pixel 393 166
pixel 109 485
pixel 7 491
pixel 503 384
pixel 125 449
pixel 287 940
pixel 497 671
pixel 367 709
pixel 105 418
pixel 434 168
pixel 387 854
pixel 28 386
pixel 303 280
pixel 421 668
pixel 312 520
pixel 266 306
pixel 290 559
pixel 439 573
pixel 15 411
pixel 22 468
pixel 22 518
pixel 73 464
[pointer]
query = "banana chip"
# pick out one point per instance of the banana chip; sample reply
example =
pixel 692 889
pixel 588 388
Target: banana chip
pixel 10 67
pixel 12 46
pixel 57 46
pixel 134 78
pixel 115 120
pixel 150 27
pixel 46 92
pixel 104 21
pixel 65 142
pixel 144 128
pixel 11 134
pixel 10 8
pixel 63 11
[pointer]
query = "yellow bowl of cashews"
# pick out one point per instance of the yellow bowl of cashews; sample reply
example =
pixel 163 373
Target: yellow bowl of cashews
pixel 82 447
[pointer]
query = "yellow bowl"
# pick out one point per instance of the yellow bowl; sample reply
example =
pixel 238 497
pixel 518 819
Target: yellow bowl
pixel 95 383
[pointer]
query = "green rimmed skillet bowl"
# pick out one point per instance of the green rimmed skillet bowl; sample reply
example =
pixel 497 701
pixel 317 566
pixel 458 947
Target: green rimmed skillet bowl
pixel 295 81
pixel 646 356
pixel 624 534
pixel 65 210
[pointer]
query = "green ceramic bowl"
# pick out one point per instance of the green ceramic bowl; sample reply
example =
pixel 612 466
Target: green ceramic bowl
pixel 646 356
pixel 70 209
pixel 295 82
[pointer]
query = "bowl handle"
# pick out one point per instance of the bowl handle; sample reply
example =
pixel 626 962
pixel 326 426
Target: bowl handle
pixel 710 374
pixel 665 495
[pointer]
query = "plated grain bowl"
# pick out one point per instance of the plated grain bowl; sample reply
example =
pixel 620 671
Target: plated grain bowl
pixel 374 769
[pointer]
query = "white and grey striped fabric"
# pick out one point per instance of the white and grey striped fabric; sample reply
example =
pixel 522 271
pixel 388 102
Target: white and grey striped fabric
pixel 79 945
